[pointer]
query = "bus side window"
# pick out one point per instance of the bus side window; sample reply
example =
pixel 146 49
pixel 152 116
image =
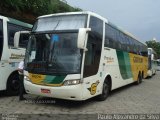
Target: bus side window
pixel 94 45
pixel 92 57
pixel 12 29
pixel 23 41
pixel 89 60
pixel 108 39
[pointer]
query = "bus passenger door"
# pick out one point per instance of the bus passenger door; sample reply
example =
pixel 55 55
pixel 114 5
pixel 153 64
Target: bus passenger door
pixel 91 72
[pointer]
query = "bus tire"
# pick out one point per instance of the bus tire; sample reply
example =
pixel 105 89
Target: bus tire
pixel 13 84
pixel 139 79
pixel 105 91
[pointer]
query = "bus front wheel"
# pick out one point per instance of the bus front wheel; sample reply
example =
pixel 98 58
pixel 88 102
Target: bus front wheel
pixel 105 92
pixel 13 85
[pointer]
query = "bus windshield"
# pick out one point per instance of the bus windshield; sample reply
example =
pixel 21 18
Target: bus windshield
pixel 50 53
pixel 62 22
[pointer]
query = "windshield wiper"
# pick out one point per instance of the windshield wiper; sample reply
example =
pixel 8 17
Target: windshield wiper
pixel 56 25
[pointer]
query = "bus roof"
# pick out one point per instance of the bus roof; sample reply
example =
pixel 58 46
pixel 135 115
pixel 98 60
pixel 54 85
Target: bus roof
pixel 74 13
pixel 17 22
pixel 96 15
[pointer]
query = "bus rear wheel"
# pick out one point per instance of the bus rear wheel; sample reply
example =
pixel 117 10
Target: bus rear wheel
pixel 139 79
pixel 13 85
pixel 105 92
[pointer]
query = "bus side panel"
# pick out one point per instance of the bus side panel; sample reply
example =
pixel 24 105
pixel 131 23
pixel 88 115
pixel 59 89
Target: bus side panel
pixel 9 64
pixel 124 64
pixel 138 64
pixel 117 64
pixel 92 86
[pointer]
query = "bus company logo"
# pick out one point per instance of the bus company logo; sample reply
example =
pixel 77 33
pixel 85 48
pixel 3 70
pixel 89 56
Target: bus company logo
pixel 17 56
pixel 109 59
pixel 137 59
pixel 93 87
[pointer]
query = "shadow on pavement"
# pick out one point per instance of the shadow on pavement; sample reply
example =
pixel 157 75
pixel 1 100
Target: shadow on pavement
pixel 3 94
pixel 59 102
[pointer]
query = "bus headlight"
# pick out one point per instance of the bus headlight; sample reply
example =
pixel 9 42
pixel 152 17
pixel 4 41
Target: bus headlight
pixel 26 78
pixel 71 82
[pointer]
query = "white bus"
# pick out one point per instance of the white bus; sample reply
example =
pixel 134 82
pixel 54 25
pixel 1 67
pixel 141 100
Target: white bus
pixel 152 62
pixel 158 64
pixel 80 55
pixel 9 56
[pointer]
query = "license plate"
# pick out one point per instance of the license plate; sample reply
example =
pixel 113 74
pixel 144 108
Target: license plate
pixel 47 91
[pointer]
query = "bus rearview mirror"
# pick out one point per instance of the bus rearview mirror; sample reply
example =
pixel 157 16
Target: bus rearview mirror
pixel 16 39
pixel 82 37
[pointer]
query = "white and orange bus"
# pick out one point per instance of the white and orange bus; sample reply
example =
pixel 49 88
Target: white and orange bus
pixel 80 55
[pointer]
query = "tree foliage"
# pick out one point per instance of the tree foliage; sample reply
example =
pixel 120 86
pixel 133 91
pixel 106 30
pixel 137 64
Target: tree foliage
pixel 155 45
pixel 28 10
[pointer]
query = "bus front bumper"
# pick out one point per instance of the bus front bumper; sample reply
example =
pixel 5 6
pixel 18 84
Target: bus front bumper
pixel 73 92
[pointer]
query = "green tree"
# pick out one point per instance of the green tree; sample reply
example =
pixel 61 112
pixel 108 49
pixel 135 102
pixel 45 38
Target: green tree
pixel 28 10
pixel 155 45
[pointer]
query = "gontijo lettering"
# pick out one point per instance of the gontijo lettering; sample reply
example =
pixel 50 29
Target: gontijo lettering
pixel 17 56
pixel 137 59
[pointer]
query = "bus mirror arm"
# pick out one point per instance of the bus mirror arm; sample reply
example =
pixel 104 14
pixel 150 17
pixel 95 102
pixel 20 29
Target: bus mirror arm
pixel 82 37
pixel 85 49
